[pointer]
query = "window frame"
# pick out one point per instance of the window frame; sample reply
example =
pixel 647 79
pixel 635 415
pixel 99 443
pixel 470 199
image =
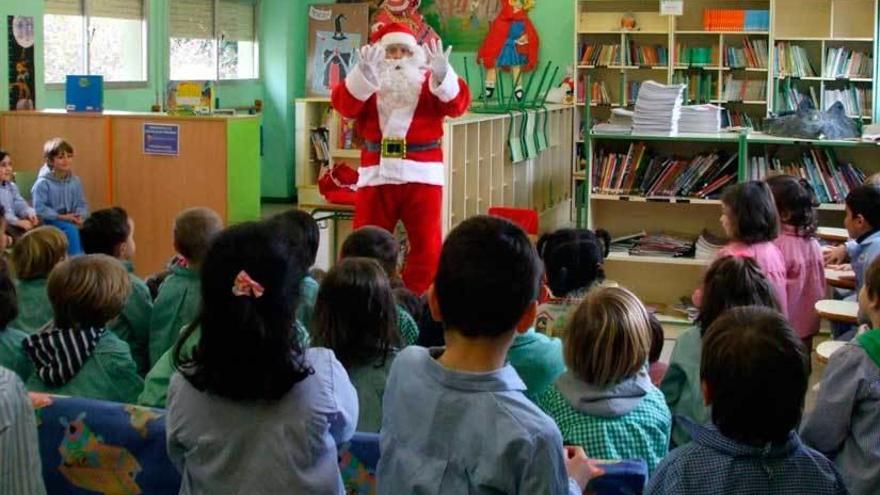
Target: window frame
pixel 217 80
pixel 148 37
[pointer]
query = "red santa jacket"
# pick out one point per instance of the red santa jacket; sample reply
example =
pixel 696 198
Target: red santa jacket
pixel 357 98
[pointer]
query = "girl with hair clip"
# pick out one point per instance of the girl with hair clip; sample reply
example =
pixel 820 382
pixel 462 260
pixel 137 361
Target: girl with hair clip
pixel 804 268
pixel 572 266
pixel 356 318
pixel 277 412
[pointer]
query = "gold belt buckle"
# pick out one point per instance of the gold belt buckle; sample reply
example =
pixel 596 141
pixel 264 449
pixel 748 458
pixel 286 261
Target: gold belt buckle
pixel 393 148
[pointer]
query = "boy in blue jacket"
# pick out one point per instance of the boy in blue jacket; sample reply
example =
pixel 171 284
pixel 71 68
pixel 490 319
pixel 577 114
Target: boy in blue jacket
pixel 58 196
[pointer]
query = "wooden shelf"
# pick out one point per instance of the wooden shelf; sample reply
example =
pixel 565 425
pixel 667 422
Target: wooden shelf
pixel 599 31
pixel 756 33
pixel 654 199
pixel 832 207
pixel 628 258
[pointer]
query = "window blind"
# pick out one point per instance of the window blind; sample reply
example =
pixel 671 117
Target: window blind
pixel 63 7
pixel 192 19
pixel 236 20
pixel 117 9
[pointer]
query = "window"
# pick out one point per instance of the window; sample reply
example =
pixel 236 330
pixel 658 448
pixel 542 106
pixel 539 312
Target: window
pixel 214 39
pixel 101 37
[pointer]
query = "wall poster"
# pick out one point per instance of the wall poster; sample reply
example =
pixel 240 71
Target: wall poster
pixel 22 94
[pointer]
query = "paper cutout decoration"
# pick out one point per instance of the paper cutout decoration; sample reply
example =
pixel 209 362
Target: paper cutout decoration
pixel 511 45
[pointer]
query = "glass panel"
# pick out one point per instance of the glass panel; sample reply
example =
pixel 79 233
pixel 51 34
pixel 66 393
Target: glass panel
pixel 118 49
pixel 63 47
pixel 193 59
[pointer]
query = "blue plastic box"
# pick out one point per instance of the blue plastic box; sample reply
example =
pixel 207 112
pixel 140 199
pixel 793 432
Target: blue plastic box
pixel 84 93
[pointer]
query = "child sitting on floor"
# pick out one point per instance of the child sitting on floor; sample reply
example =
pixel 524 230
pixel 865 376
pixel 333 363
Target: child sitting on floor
pixel 33 257
pixel 843 423
pixel 302 235
pixel 454 418
pixel 111 231
pixel 20 217
pixel 11 351
pixel 77 355
pixel 58 196
pixel 754 376
pixel 606 402
pixel 20 464
pixel 730 282
pixel 251 409
pixel 355 317
pixel 656 368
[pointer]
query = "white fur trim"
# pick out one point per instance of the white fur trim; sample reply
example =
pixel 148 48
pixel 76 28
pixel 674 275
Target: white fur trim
pixel 401 171
pixel 359 86
pixel 448 88
pixel 399 38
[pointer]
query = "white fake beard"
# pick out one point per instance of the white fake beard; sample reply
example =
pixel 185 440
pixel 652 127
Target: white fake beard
pixel 400 82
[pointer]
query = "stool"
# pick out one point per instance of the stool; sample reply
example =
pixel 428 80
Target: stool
pixel 832 234
pixel 334 213
pixel 827 348
pixel 842 279
pixel 838 311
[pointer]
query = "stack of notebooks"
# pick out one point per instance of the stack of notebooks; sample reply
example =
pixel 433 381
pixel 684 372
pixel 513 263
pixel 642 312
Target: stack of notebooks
pixel 793 60
pixel 752 55
pixel 663 245
pixel 831 180
pixel 619 123
pixel 658 108
pixel 843 62
pixel 856 100
pixel 600 55
pixel 744 89
pixel 700 118
pixel 638 172
pixel 708 245
pixel 644 55
pixel 736 20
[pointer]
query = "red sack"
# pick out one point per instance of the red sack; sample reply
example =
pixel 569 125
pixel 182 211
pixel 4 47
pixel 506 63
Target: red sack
pixel 338 183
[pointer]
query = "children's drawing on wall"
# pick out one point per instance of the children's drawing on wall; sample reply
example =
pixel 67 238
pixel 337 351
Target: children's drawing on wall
pixel 461 23
pixel 404 12
pixel 511 45
pixel 335 34
pixel 21 62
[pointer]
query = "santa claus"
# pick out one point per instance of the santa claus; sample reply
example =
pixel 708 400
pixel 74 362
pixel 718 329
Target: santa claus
pixel 399 93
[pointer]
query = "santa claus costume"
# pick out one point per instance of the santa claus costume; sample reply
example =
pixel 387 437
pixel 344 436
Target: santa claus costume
pixel 399 106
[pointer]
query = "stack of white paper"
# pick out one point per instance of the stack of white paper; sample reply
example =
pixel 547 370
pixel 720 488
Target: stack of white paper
pixel 700 118
pixel 621 121
pixel 658 107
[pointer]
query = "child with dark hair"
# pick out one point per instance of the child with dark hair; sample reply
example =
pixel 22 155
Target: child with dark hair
pixel 11 351
pixel 379 244
pixel 248 380
pixel 179 295
pixel 77 355
pixel 58 195
pixel 111 231
pixel 844 421
pixel 606 402
pixel 33 257
pixel 19 215
pixel 750 220
pixel 302 235
pixel 730 282
pixel 355 317
pixel 572 266
pixel 484 435
pixel 751 358
pixel 805 272
pixel 656 368
pixel 862 222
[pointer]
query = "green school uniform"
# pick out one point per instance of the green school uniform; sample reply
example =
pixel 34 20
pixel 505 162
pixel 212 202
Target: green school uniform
pixel 34 308
pixel 681 385
pixel 409 331
pixel 12 354
pixel 108 374
pixel 308 295
pixel 133 324
pixel 537 359
pixel 369 381
pixel 176 306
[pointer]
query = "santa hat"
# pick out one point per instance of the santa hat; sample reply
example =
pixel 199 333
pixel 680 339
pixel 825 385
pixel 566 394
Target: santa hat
pixel 394 34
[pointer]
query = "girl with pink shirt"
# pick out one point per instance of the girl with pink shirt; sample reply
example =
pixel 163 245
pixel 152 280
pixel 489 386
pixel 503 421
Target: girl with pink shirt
pixel 750 220
pixel 805 273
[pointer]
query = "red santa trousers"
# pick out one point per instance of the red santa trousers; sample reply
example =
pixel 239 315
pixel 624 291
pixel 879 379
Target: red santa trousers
pixel 419 207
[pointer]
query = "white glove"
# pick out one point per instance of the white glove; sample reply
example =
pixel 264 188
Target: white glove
pixel 370 57
pixel 438 60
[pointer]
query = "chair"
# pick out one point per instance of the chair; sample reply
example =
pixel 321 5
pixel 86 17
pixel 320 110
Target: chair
pixel 838 311
pixel 357 463
pixel 25 179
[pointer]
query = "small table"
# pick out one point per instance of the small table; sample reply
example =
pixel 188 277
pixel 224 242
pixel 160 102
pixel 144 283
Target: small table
pixel 842 279
pixel 827 348
pixel 334 213
pixel 832 234
pixel 839 311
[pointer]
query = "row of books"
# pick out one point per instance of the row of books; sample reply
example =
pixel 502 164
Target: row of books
pixel 320 137
pixel 600 54
pixel 599 94
pixel 632 91
pixel 856 101
pixel 793 60
pixel 753 55
pixel 654 244
pixel 791 95
pixel 701 85
pixel 736 20
pixel 843 62
pixel 831 180
pixel 639 172
pixel 694 55
pixel 730 118
pixel 643 55
pixel 744 89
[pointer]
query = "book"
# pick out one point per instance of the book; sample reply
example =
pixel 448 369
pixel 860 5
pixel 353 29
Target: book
pixel 842 62
pixel 793 60
pixel 830 179
pixel 856 100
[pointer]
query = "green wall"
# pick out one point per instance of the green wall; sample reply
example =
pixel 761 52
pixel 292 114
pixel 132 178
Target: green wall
pixel 283 25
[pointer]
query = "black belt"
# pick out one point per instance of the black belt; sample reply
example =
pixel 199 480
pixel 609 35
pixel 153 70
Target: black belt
pixel 398 148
